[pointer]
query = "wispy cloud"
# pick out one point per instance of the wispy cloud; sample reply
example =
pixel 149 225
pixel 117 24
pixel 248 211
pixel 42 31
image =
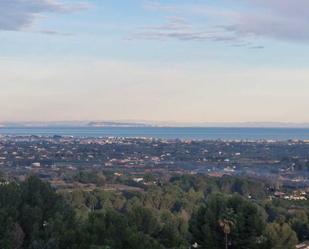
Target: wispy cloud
pixel 271 19
pixel 53 32
pixel 180 29
pixel 18 15
pixel 256 47
pixel 276 19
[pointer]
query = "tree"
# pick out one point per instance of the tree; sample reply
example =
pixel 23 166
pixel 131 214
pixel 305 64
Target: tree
pixel 17 237
pixel 280 236
pixel 33 215
pixel 226 222
pixel 111 229
pixel 146 220
pixel 224 216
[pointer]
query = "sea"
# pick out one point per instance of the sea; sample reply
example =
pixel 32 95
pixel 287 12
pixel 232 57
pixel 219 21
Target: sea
pixel 183 133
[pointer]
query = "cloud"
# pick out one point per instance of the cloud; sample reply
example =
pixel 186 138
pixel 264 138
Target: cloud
pixel 53 32
pixel 251 19
pixel 17 15
pixel 256 47
pixel 180 26
pixel 276 19
pixel 179 29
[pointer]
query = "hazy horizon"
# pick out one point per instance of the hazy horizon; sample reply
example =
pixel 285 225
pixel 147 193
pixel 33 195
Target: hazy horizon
pixel 165 61
pixel 145 123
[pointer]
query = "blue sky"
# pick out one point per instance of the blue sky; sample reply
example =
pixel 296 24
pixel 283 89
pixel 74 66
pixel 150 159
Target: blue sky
pixel 185 61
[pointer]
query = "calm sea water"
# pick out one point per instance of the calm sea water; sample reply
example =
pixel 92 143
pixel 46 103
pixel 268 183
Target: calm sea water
pixel 166 133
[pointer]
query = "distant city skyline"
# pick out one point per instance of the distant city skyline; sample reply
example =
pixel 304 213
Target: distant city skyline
pixel 166 61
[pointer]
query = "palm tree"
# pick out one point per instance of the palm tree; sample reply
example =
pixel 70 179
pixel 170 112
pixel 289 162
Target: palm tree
pixel 226 222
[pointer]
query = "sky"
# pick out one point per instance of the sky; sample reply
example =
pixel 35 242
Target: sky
pixel 161 60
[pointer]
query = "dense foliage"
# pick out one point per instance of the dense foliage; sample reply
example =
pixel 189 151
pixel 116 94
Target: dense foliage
pixel 183 212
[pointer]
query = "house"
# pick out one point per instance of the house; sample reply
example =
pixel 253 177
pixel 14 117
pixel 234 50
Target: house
pixel 138 180
pixel 303 245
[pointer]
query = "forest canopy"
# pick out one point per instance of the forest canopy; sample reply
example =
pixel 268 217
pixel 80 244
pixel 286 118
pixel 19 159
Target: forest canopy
pixel 183 212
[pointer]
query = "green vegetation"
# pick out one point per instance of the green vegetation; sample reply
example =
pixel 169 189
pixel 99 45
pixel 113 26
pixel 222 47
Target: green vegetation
pixel 183 212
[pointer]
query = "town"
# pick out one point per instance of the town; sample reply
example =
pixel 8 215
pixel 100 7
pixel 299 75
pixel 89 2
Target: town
pixel 58 159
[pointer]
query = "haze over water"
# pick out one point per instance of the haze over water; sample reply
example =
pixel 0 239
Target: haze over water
pixel 166 132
